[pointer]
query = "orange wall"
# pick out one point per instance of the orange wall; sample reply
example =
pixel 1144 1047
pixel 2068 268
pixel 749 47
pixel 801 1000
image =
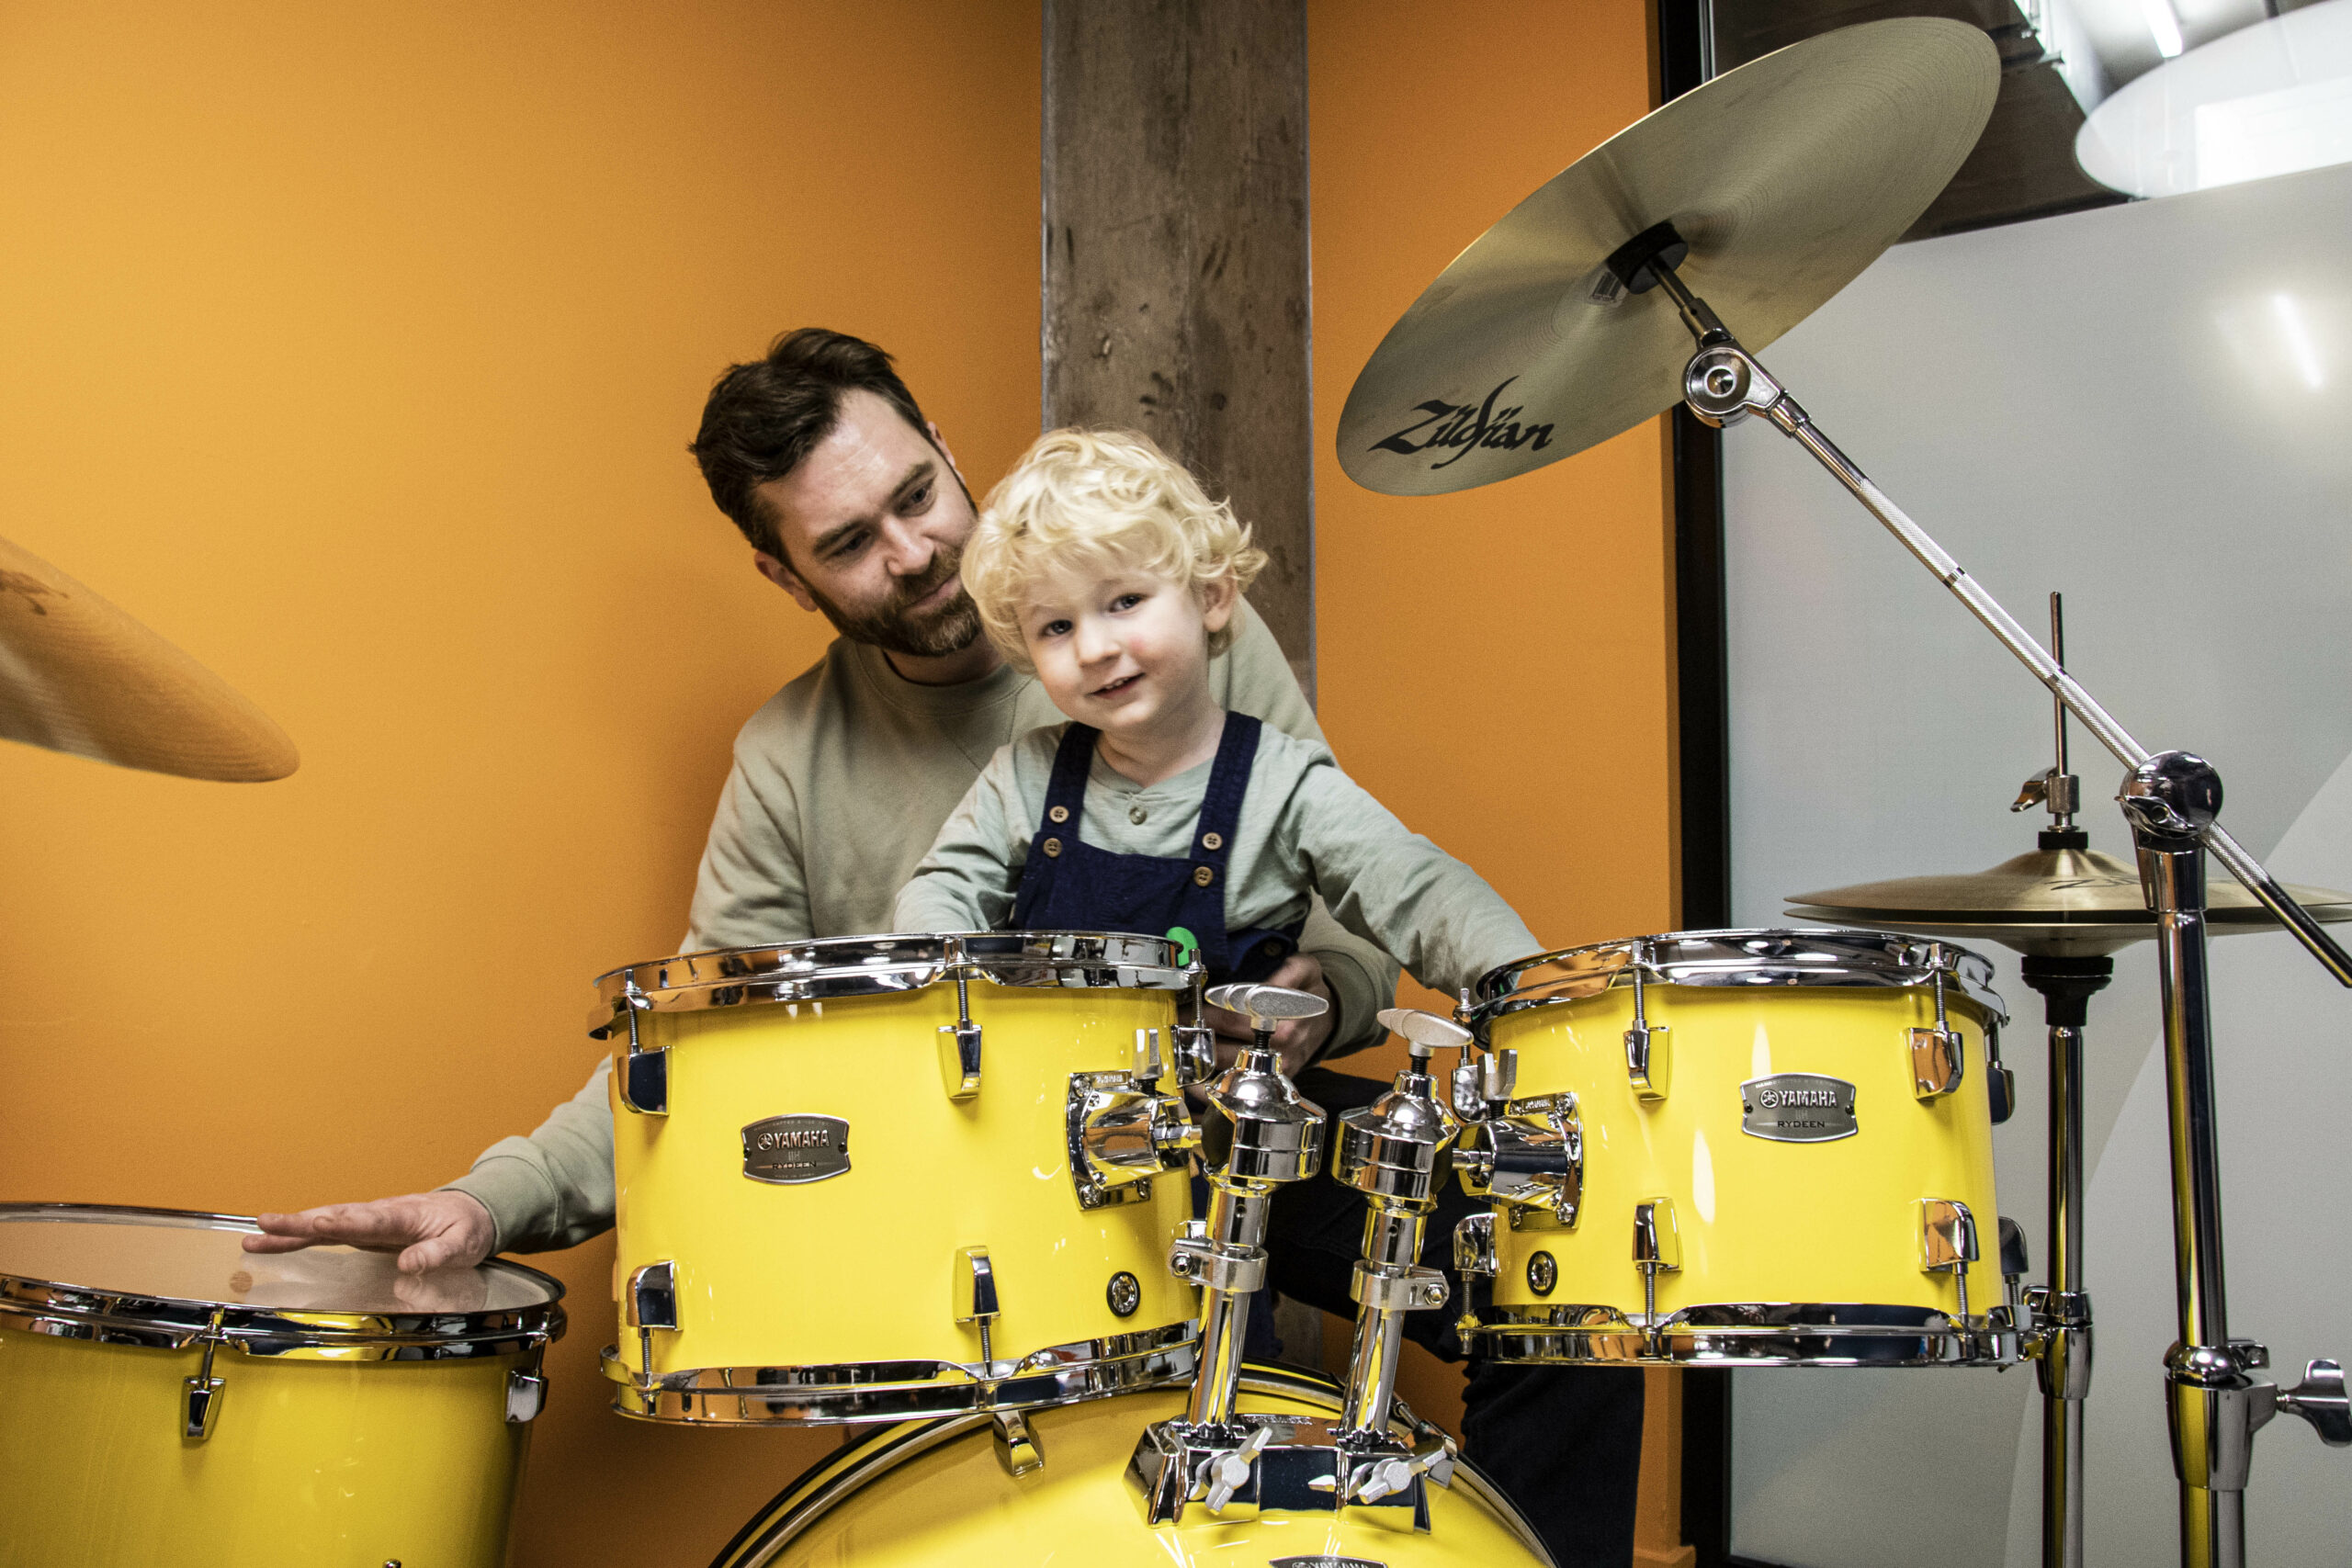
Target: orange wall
pixel 1494 665
pixel 355 348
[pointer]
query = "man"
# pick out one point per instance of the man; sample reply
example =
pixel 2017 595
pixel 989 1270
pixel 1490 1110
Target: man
pixel 854 508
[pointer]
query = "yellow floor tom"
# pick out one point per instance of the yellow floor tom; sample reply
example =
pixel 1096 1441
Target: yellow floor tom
pixel 171 1398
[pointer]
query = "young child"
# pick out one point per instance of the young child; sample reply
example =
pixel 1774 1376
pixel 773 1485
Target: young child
pixel 1099 565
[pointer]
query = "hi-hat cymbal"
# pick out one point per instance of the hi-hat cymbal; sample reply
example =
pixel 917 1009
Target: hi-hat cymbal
pixel 1787 176
pixel 78 675
pixel 2054 902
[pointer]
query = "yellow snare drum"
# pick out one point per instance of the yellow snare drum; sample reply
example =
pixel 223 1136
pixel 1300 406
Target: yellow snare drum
pixel 174 1399
pixel 1786 1154
pixel 870 1178
pixel 932 1495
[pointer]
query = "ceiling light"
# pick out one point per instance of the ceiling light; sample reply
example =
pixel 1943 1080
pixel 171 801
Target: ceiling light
pixel 2163 25
pixel 2268 99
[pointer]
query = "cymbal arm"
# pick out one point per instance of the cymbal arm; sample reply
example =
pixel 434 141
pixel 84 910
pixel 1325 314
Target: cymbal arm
pixel 1723 384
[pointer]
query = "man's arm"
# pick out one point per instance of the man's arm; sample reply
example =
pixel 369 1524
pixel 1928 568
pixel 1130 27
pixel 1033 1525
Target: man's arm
pixel 1362 979
pixel 553 1189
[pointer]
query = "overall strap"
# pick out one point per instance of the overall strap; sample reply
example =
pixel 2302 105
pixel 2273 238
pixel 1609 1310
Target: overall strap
pixel 1237 752
pixel 1066 790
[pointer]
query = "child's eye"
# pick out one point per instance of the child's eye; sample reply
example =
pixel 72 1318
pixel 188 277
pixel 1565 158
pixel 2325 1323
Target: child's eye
pixel 1127 600
pixel 1054 629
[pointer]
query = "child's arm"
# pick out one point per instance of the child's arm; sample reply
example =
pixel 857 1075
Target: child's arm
pixel 1397 888
pixel 967 880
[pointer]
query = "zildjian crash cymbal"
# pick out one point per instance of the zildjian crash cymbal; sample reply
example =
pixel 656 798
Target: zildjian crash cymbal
pixel 2053 902
pixel 1787 178
pixel 78 675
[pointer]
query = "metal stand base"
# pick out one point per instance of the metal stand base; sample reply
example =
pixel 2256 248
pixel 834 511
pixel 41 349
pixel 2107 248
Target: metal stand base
pixel 1292 1464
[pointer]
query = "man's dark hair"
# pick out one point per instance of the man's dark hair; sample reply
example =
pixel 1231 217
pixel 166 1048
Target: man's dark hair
pixel 763 418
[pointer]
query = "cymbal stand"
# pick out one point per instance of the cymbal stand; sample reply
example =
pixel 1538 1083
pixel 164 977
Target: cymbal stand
pixel 2172 801
pixel 2059 1337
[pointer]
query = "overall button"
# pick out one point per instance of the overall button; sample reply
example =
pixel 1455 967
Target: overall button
pixel 1138 814
pixel 1203 876
pixel 1059 814
pixel 1211 841
pixel 1053 847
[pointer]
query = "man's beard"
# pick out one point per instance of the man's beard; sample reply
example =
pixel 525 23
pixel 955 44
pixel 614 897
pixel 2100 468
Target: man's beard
pixel 895 628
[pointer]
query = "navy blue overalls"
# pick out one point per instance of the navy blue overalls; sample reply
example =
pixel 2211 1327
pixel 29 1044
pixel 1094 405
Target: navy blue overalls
pixel 1069 885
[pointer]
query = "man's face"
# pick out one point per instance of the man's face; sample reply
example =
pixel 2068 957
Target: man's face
pixel 871 527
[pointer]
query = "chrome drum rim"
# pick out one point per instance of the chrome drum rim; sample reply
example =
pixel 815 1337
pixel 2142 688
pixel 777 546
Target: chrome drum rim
pixel 900 1390
pixel 1745 1334
pixel 1755 956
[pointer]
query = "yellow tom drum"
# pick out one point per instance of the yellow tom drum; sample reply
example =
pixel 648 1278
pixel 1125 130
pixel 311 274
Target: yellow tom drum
pixel 174 1399
pixel 869 1177
pixel 1779 1152
pixel 934 1495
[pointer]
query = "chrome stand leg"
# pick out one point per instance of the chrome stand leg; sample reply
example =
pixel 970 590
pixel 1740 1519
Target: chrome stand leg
pixel 2211 1403
pixel 2063 1310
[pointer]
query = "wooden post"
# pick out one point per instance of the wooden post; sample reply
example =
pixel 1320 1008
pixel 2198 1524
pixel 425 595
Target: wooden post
pixel 1176 257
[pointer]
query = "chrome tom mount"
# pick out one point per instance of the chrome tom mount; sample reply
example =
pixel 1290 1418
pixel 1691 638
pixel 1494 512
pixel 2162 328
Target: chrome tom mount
pixel 1397 1151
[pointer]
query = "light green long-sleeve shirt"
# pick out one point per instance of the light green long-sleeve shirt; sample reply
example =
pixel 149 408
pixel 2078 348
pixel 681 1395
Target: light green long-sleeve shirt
pixel 1305 828
pixel 840 784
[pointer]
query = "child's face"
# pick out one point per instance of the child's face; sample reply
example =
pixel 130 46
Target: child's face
pixel 1126 652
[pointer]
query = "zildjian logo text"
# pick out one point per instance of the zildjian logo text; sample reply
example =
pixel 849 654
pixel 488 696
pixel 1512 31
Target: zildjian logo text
pixel 1467 428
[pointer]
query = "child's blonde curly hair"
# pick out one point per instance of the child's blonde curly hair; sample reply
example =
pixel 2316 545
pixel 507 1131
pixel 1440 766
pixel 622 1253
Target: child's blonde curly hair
pixel 1099 501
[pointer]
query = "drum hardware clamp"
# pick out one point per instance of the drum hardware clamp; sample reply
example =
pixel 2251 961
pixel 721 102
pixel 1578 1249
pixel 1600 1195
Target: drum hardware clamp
pixel 200 1398
pixel 1126 1127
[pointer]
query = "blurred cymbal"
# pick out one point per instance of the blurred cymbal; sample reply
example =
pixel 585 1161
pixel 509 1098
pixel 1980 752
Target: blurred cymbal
pixel 2053 902
pixel 78 675
pixel 1788 176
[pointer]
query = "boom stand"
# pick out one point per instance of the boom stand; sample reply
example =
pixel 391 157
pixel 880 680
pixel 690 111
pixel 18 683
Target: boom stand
pixel 2172 800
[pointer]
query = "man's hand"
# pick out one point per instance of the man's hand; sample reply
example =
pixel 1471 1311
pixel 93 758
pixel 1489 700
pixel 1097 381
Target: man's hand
pixel 429 1230
pixel 1296 1040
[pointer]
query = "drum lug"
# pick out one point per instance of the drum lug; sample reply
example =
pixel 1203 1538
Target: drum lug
pixel 973 1298
pixel 1938 1059
pixel 1947 1243
pixel 1936 1064
pixel 1658 1250
pixel 526 1395
pixel 200 1395
pixel 645 1078
pixel 1647 1062
pixel 1016 1444
pixel 959 1046
pixel 1474 1246
pixel 652 1300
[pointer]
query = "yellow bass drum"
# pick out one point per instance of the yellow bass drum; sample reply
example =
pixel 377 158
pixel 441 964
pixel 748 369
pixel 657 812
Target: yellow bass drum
pixel 1780 1153
pixel 174 1399
pixel 866 1178
pixel 934 1495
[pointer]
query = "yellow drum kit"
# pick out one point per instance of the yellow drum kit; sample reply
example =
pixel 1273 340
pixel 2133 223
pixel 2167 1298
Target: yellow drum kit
pixel 939 1187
